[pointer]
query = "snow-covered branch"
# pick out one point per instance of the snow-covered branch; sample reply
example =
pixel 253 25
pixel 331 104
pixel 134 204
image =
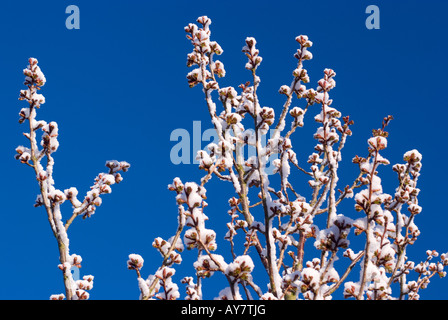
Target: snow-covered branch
pixel 50 197
pixel 282 220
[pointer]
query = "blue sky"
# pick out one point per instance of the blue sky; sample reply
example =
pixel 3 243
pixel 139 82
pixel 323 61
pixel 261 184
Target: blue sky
pixel 117 89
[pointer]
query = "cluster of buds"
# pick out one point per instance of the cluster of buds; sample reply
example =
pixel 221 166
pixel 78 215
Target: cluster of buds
pixel 265 119
pixel 191 288
pixel 203 50
pixel 291 284
pixel 300 74
pixel 335 237
pixel 329 117
pixel 252 54
pixel 80 287
pixel 200 36
pixel 207 265
pixel 235 224
pixel 198 236
pixel 240 269
pixel 170 289
pixel 75 260
pixel 313 282
pixel 229 98
pixel 189 193
pixel 297 113
pixel 60 296
pixel 135 262
pixel 425 270
pixel 228 294
pixel 303 52
pixel 164 248
pixel 217 159
pixel 23 154
pixel 246 100
pixel 49 139
pixel 102 185
pixel 193 196
pixel 205 160
pixel 115 167
pixel 218 68
pixel 301 216
pixel 34 80
pixel 33 74
pixel 83 286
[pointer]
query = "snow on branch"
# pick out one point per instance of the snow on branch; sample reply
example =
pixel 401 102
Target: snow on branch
pixel 49 196
pixel 281 220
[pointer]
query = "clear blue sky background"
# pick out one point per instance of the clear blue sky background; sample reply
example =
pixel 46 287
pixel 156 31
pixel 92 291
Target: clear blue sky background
pixel 117 89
